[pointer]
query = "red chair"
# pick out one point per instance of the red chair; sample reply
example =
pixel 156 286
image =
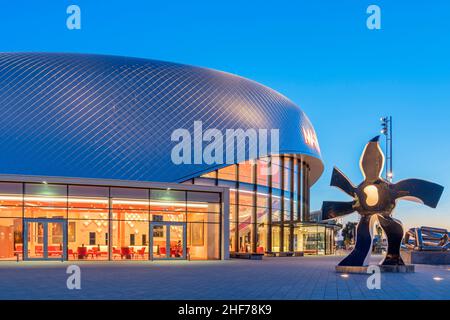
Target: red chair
pixel 71 253
pixel 125 252
pixel 95 252
pixel 82 252
pixel 260 250
pixel 162 251
pixel 116 252
pixel 141 252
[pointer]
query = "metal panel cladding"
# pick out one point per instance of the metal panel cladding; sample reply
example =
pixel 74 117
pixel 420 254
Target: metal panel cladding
pixel 97 116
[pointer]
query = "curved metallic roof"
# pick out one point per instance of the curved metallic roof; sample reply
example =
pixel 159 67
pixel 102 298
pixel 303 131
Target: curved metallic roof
pixel 96 116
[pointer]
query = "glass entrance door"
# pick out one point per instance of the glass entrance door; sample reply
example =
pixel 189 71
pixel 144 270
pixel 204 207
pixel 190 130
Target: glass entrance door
pixel 45 239
pixel 167 240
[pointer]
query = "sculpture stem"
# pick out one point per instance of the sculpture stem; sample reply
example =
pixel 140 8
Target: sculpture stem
pixel 363 246
pixel 394 233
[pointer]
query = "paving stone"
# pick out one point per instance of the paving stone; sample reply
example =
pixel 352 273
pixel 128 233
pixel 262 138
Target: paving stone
pixel 272 278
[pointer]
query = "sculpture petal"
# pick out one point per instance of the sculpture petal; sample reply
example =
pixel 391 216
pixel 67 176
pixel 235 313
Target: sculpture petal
pixel 334 209
pixel 394 233
pixel 361 252
pixel 418 190
pixel 339 180
pixel 372 160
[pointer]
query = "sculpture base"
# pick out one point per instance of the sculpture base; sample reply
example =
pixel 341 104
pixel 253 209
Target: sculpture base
pixel 427 257
pixel 363 269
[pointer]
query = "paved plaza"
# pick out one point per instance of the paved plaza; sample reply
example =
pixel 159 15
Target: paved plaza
pixel 273 278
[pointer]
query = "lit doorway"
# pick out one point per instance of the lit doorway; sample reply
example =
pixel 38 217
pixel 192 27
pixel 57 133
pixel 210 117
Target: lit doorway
pixel 45 239
pixel 167 240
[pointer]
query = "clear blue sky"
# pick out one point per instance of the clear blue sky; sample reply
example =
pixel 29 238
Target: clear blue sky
pixel 318 53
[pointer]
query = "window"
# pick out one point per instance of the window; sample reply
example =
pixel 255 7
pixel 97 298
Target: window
pixel 246 172
pixel 170 204
pixel 203 240
pixel 11 194
pixel 88 197
pixel 211 175
pixel 91 238
pixel 129 239
pixel 11 238
pixel 276 172
pixel 263 172
pixel 45 195
pixel 295 191
pixel 130 199
pixel 227 173
pixel 144 240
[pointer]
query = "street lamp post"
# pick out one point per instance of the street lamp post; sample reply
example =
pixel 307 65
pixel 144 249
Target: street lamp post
pixel 386 129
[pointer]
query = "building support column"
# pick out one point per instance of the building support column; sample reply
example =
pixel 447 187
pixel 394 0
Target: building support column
pixel 225 225
pixel 254 215
pixel 282 182
pixel 291 222
pixel 236 211
pixel 305 192
pixel 269 217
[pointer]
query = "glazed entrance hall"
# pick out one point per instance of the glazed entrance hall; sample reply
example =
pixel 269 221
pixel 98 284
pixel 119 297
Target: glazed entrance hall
pixel 270 214
pixel 55 221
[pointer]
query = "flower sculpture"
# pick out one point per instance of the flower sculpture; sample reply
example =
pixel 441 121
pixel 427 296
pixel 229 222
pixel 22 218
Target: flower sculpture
pixel 375 198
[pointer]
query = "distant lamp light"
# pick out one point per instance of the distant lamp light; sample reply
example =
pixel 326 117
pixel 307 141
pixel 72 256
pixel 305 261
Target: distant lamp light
pixel 384 125
pixel 438 278
pixel 44 182
pixel 344 275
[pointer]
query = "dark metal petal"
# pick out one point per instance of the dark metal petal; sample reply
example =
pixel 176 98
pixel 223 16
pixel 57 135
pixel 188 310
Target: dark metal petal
pixel 339 180
pixel 418 190
pixel 372 160
pixel 361 252
pixel 394 233
pixel 334 209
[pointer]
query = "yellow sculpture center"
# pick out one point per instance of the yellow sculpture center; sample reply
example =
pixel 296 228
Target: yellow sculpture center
pixel 371 195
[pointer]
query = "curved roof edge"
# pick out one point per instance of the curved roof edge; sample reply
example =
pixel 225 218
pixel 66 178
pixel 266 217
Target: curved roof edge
pixel 315 164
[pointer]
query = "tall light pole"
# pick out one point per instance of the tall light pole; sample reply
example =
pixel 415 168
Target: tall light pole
pixel 386 129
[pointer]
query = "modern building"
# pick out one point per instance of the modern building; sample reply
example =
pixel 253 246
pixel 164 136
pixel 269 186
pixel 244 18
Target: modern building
pixel 86 169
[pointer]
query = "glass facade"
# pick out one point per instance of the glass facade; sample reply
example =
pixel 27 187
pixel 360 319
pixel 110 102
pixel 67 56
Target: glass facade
pixel 269 207
pixel 81 222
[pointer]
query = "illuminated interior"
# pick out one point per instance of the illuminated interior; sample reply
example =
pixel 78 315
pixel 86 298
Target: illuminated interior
pixel 269 207
pixel 71 222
